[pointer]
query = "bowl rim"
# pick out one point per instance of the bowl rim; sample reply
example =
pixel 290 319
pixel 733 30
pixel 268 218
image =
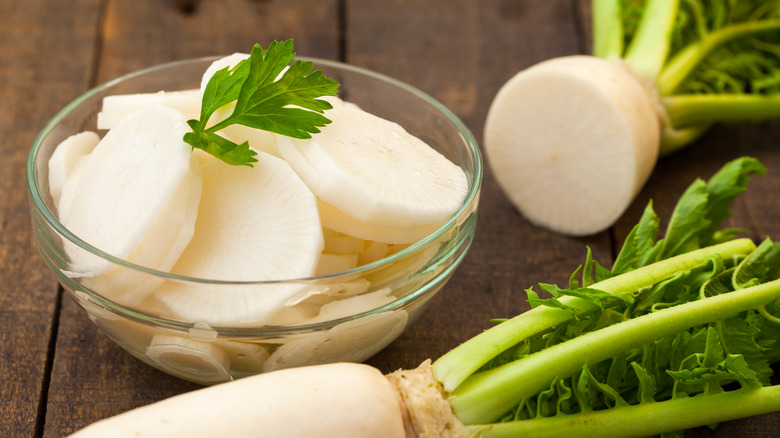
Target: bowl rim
pixel 38 203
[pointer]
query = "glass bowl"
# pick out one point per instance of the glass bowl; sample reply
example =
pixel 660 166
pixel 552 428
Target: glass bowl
pixel 207 353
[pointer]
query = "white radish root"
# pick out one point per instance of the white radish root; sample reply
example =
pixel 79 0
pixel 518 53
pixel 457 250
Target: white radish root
pixel 335 400
pixel 572 140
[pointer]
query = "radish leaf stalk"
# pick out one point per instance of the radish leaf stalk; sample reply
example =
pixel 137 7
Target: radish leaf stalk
pixel 705 318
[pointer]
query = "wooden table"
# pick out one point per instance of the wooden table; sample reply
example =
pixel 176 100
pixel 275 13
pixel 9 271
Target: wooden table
pixel 57 373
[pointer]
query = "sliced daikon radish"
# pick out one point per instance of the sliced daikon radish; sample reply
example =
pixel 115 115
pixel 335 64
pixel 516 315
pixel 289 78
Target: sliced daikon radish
pixel 333 263
pixel 189 359
pixel 136 199
pixel 373 251
pixel 371 169
pixel 323 293
pixel 64 158
pixel 352 341
pixel 245 357
pixel 354 305
pixel 254 224
pixel 571 141
pixel 229 61
pixel 68 191
pixel 340 243
pixel 117 106
pixel 337 220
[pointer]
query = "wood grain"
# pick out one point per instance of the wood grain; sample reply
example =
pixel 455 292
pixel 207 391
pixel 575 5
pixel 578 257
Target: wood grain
pixel 60 373
pixel 36 83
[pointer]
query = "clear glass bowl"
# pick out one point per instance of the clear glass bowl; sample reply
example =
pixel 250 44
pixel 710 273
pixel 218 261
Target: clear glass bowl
pixel 208 354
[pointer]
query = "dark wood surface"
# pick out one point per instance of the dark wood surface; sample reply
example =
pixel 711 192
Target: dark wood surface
pixel 58 374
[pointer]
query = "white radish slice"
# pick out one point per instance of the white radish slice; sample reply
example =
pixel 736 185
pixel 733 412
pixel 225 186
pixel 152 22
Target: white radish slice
pixel 117 106
pixel 371 169
pixel 354 305
pixel 64 158
pixel 229 61
pixel 333 263
pixel 325 293
pixel 337 220
pixel 189 359
pixel 336 400
pixel 255 224
pixel 571 141
pixel 68 191
pixel 372 252
pixel 352 341
pixel 258 139
pixel 340 243
pixel 136 199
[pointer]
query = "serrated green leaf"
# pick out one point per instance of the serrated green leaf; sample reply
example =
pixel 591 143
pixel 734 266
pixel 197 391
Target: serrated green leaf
pixel 267 97
pixel 637 250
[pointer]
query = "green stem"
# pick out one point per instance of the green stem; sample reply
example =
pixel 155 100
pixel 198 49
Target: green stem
pixel 650 45
pixel 678 68
pixel 673 140
pixel 607 29
pixel 485 396
pixel 696 109
pixel 457 365
pixel 647 419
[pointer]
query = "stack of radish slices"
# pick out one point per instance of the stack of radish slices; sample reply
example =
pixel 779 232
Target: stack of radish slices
pixel 358 191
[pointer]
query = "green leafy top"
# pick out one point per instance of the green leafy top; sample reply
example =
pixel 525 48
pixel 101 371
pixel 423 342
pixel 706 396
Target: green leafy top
pixel 269 94
pixel 711 60
pixel 658 327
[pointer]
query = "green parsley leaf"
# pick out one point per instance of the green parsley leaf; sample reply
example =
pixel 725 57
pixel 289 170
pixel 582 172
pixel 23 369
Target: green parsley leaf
pixel 269 94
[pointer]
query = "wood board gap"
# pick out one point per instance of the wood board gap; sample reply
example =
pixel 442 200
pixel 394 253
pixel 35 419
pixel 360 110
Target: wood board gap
pixel 48 366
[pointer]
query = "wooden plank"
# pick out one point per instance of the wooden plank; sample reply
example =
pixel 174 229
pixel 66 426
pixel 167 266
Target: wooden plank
pixel 461 52
pixel 93 378
pixel 36 85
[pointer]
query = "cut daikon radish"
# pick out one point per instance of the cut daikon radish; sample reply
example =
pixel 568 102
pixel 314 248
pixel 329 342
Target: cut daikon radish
pixel 371 169
pixel 373 251
pixel 571 141
pixel 354 305
pixel 351 341
pixel 68 191
pixel 340 243
pixel 333 263
pixel 136 199
pixel 324 293
pixel 65 157
pixel 254 224
pixel 229 61
pixel 117 106
pixel 260 405
pixel 337 220
pixel 175 355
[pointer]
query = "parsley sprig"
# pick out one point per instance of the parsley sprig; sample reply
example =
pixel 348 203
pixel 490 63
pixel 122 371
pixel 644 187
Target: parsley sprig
pixel 288 104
